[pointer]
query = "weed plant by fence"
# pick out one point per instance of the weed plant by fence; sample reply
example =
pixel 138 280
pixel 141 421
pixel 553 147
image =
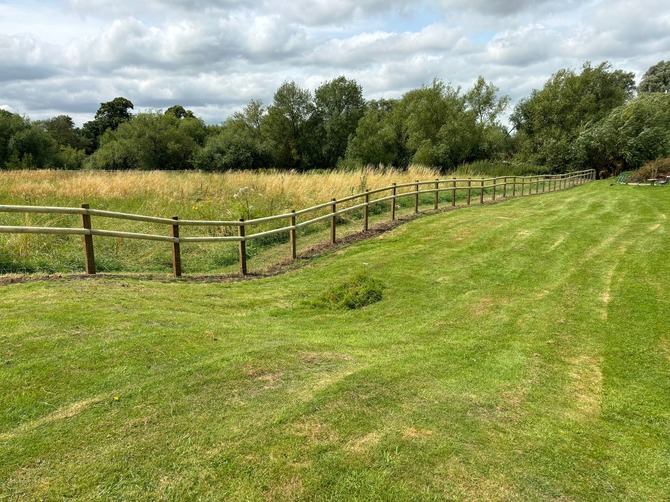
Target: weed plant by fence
pixel 363 208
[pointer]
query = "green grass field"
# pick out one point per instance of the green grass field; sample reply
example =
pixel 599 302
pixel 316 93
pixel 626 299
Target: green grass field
pixel 520 351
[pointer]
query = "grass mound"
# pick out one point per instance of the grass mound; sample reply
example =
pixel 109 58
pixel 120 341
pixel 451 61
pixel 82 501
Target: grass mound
pixel 355 293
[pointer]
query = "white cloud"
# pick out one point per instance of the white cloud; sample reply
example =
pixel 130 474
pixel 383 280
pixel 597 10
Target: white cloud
pixel 374 48
pixel 523 47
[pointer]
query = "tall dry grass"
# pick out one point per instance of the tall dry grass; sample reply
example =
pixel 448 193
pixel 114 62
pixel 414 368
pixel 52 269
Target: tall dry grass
pixel 275 190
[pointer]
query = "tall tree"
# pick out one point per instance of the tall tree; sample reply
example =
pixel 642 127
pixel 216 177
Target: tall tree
pixel 434 125
pixel 286 125
pixel 239 143
pixel 10 124
pixel 486 106
pixel 437 129
pixel 109 117
pixel 31 147
pixel 180 112
pixel 64 132
pixel 552 118
pixel 339 105
pixel 378 138
pixel 150 140
pixel 656 78
pixel 629 136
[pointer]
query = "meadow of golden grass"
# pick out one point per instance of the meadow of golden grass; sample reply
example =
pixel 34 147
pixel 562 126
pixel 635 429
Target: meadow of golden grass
pixel 280 190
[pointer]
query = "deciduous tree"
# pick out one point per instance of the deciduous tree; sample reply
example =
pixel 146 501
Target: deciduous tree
pixel 150 140
pixel 239 143
pixel 552 118
pixel 286 125
pixel 339 105
pixel 629 136
pixel 109 116
pixel 64 132
pixel 656 78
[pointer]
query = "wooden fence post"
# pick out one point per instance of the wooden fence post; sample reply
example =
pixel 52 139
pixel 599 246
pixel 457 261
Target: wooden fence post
pixel 176 251
pixel 495 184
pixel 513 186
pixel 437 194
pixel 416 197
pixel 453 195
pixel 393 191
pixel 481 193
pixel 469 189
pixel 333 210
pixel 241 231
pixel 505 187
pixel 523 185
pixel 89 255
pixel 366 211
pixel 292 237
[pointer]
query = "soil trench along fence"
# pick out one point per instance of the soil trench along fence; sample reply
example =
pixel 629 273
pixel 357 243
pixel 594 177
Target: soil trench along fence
pixel 451 192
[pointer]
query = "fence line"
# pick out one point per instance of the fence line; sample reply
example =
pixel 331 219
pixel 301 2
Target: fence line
pixel 541 184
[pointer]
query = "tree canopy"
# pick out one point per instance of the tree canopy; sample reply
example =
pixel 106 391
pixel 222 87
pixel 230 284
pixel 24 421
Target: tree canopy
pixel 629 136
pixel 551 119
pixel 151 140
pixel 656 78
pixel 109 116
pixel 578 119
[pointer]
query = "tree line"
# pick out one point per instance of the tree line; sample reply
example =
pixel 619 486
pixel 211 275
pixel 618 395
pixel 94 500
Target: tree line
pixel 592 118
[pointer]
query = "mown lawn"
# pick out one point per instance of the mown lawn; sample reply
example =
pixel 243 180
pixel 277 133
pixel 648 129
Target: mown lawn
pixel 521 351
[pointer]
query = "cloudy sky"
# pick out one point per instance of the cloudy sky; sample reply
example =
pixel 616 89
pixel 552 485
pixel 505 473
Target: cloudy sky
pixel 213 56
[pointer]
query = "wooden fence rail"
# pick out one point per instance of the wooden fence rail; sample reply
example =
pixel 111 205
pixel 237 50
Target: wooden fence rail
pixel 336 207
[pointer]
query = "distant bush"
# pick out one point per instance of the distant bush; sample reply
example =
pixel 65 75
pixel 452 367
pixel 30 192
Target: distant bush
pixel 355 293
pixel 654 169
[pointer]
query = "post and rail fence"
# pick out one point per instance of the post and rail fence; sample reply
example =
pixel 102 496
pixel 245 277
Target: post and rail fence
pixel 526 185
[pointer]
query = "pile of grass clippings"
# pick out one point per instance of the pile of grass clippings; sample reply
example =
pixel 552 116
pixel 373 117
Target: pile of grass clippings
pixel 355 293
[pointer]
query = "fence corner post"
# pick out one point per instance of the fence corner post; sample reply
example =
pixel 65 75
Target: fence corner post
pixel 176 251
pixel 243 247
pixel 89 255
